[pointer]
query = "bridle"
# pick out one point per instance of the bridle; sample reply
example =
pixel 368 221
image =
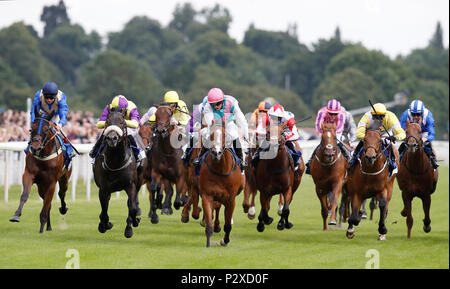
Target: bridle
pixel 46 140
pixel 333 148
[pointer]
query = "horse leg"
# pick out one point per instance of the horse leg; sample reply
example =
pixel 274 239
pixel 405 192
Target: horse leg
pixel 104 224
pixel 284 221
pixel 426 204
pixel 167 205
pixel 27 182
pixel 263 217
pixel 207 203
pixel 180 191
pixel 186 209
pixel 280 205
pixel 355 216
pixel 407 212
pixel 152 215
pixel 372 206
pixel 216 219
pixel 324 208
pixel 382 204
pixel 252 212
pixel 132 211
pixel 63 185
pixel 229 209
pixel 334 202
pixel 47 195
pixel 246 201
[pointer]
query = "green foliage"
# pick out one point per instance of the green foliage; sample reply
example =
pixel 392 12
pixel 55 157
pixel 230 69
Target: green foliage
pixel 53 16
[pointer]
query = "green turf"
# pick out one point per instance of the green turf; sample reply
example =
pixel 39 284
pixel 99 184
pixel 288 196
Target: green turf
pixel 172 244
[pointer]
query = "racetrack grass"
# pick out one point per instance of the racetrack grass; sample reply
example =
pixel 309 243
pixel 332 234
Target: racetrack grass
pixel 172 244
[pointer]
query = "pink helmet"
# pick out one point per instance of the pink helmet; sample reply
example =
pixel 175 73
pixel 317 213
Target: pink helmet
pixel 334 106
pixel 276 110
pixel 215 95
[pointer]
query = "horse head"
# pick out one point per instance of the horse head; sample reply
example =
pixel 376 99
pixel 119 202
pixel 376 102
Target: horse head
pixel 372 142
pixel 163 114
pixel 40 132
pixel 217 138
pixel 413 140
pixel 145 131
pixel 115 126
pixel 328 141
pixel 274 133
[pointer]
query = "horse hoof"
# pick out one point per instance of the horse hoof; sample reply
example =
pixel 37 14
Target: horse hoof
pixel 166 211
pixel 350 234
pixel 251 217
pixel 280 210
pixel 280 226
pixel 288 225
pixel 202 222
pixel 136 222
pixel 260 227
pixel 154 219
pixel 222 243
pixel 217 229
pixel 332 223
pixel 128 232
pixel 184 219
pixel 427 229
pixel 63 211
pixel 268 221
pixel 382 237
pixel 102 228
pixel 15 219
pixel 177 205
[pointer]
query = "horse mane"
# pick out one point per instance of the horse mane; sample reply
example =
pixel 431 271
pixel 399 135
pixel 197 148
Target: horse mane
pixel 375 125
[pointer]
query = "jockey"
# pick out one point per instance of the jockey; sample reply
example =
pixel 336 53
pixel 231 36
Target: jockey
pixel 51 100
pixel 132 121
pixel 390 122
pixel 284 118
pixel 415 113
pixel 349 132
pixel 331 113
pixel 257 117
pixel 226 108
pixel 193 127
pixel 181 112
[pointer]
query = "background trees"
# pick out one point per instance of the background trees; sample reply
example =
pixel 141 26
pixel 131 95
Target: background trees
pixel 194 52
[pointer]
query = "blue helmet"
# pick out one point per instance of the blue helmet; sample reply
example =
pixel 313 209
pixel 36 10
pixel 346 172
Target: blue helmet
pixel 416 106
pixel 50 88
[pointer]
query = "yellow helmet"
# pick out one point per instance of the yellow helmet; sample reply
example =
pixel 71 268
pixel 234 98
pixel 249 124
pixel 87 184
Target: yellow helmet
pixel 379 109
pixel 171 96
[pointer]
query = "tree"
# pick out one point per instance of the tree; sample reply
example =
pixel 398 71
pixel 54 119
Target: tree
pixel 217 17
pixel 53 16
pixel 111 73
pixel 437 40
pixel 337 34
pixel 182 17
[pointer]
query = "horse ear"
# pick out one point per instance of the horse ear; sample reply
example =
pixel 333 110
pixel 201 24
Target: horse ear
pixel 156 105
pixel 407 121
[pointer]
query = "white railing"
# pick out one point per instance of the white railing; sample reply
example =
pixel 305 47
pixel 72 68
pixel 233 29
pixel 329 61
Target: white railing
pixel 12 164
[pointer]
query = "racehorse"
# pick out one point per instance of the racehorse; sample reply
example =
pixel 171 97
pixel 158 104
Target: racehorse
pixel 279 179
pixel 145 133
pixel 44 166
pixel 416 177
pixel 115 170
pixel 166 161
pixel 370 178
pixel 328 170
pixel 250 188
pixel 220 180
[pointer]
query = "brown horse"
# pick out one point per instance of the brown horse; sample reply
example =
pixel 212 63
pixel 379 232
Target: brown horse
pixel 115 170
pixel 166 161
pixel 44 166
pixel 370 178
pixel 192 187
pixel 145 133
pixel 416 177
pixel 250 189
pixel 328 172
pixel 279 179
pixel 220 180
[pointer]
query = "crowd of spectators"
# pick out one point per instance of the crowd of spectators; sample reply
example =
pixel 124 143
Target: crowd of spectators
pixel 80 126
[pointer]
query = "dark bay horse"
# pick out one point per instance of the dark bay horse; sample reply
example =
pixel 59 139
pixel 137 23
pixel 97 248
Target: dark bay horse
pixel 328 170
pixel 416 177
pixel 44 166
pixel 145 133
pixel 115 170
pixel 276 175
pixel 166 161
pixel 370 178
pixel 220 180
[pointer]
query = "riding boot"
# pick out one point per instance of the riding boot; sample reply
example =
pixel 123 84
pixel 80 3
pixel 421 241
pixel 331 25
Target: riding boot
pixel 196 161
pixel 308 171
pixel 355 155
pixel 392 163
pixel 255 157
pixel 430 152
pixel 238 149
pixel 94 150
pixel 138 153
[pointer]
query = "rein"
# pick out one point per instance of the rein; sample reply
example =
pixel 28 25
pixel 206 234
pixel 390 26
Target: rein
pixel 419 143
pixel 46 141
